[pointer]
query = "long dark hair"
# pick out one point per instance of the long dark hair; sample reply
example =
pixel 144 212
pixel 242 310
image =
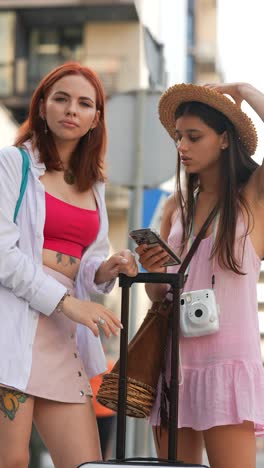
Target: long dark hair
pixel 236 168
pixel 87 160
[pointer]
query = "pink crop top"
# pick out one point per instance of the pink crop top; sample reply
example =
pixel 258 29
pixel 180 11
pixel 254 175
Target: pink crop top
pixel 69 229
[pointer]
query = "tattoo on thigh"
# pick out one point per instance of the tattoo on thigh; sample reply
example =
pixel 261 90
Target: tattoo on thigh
pixel 10 401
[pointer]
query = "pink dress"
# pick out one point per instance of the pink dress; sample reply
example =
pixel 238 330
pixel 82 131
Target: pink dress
pixel 222 373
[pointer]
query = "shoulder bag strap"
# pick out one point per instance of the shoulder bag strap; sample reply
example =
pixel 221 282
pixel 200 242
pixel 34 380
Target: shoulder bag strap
pixel 165 391
pixel 25 168
pixel 197 240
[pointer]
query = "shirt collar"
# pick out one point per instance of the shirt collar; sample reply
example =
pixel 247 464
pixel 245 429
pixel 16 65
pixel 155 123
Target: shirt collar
pixel 34 156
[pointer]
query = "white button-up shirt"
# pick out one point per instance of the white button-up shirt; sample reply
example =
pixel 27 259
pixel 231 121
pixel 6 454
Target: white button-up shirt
pixel 25 289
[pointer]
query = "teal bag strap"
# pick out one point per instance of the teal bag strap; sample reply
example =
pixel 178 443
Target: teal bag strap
pixel 25 168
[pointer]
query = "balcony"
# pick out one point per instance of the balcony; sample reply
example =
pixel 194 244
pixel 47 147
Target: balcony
pixel 70 12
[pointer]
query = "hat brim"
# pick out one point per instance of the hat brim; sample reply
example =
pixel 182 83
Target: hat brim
pixel 180 93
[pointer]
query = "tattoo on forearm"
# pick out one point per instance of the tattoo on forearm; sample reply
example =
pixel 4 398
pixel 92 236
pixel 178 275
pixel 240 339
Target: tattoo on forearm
pixel 10 401
pixel 65 260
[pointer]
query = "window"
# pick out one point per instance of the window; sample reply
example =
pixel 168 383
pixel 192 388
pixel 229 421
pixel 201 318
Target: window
pixel 49 48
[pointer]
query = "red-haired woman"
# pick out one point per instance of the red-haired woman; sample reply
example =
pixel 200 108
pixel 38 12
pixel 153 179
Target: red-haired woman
pixel 51 259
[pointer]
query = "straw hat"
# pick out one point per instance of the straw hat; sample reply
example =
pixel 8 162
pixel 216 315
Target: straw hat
pixel 180 93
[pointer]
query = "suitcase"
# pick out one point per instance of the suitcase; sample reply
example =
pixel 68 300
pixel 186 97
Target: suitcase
pixel 125 282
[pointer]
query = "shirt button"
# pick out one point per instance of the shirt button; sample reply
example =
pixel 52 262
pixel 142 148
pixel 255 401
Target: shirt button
pixel 75 355
pixel 81 393
pixel 79 374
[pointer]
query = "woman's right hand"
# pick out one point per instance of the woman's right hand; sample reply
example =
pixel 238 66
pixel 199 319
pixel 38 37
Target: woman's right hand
pixel 152 258
pixel 242 91
pixel 92 315
pixel 235 90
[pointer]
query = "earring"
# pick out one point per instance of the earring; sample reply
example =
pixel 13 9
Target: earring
pixel 45 126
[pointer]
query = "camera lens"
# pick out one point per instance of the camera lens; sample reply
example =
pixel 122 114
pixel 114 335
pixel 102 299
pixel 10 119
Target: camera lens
pixel 182 301
pixel 198 313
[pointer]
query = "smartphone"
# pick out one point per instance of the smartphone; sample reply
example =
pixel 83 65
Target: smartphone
pixel 151 237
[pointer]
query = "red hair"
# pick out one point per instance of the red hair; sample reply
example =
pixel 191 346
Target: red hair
pixel 87 160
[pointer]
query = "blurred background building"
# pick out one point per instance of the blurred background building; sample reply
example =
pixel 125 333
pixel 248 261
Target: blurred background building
pixel 202 42
pixel 108 35
pixel 132 46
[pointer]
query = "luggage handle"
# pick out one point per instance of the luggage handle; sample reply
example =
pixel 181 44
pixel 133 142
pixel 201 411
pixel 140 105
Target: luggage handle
pixel 176 280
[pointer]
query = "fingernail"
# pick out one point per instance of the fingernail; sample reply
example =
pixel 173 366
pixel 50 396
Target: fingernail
pixel 121 326
pixel 124 260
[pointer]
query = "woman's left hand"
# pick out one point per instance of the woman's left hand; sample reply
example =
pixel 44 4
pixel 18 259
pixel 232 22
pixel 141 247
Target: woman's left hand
pixel 121 262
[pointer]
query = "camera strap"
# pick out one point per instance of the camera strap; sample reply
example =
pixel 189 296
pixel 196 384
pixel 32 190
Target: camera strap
pixel 197 240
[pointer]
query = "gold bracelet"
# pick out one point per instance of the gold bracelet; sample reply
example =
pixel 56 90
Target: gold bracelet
pixel 59 306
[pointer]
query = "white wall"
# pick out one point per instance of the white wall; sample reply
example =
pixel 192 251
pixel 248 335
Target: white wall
pixel 167 21
pixel 174 37
pixel 240 50
pixel 149 12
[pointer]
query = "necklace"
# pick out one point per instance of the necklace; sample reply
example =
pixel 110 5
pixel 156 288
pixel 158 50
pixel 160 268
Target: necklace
pixel 68 176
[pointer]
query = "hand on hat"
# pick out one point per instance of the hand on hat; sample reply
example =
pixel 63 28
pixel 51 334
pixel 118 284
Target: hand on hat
pixel 233 89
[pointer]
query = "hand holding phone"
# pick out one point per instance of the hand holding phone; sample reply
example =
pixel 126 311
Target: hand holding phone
pixel 152 238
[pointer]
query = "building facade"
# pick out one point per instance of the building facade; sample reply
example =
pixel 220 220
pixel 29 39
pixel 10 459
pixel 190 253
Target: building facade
pixel 202 63
pixel 108 35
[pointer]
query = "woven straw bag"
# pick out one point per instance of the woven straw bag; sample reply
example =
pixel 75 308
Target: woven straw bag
pixel 144 362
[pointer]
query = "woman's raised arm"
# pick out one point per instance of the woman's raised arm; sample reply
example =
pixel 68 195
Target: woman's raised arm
pixel 255 98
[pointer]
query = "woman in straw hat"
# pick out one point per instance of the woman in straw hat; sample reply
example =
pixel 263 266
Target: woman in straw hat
pixel 221 395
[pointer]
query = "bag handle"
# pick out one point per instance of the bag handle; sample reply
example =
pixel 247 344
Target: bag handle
pixel 197 240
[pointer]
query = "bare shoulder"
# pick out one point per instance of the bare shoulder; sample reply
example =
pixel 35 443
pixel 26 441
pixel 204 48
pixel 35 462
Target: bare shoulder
pixel 169 210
